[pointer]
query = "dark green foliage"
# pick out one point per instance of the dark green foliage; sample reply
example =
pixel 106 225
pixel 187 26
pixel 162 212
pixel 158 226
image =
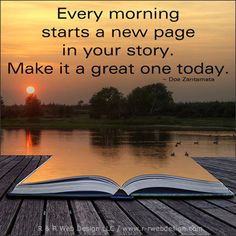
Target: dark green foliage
pixel 32 106
pixel 152 99
pixel 1 101
pixel 204 109
pixel 108 102
pixel 2 108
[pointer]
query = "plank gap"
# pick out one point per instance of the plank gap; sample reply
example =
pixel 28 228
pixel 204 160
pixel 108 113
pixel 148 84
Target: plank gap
pixel 206 210
pixel 15 179
pixel 131 219
pixel 72 216
pixel 14 219
pixel 102 218
pixel 166 223
pixel 44 217
pixel 222 207
pixel 191 219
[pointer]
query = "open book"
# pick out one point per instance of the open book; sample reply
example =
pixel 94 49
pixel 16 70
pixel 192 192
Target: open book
pixel 181 177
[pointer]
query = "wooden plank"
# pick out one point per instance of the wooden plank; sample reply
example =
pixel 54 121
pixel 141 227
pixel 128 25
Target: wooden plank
pixel 8 210
pixel 219 167
pixel 229 175
pixel 25 225
pixel 177 221
pixel 224 180
pixel 118 222
pixel 129 216
pixel 210 223
pixel 7 180
pixel 35 162
pixel 217 160
pixel 233 159
pixel 58 220
pixel 58 216
pixel 87 219
pixel 227 205
pixel 29 218
pixel 222 160
pixel 226 163
pixel 8 165
pixel 2 158
pixel 233 199
pixel 215 211
pixel 9 207
pixel 8 156
pixel 145 219
pixel 4 162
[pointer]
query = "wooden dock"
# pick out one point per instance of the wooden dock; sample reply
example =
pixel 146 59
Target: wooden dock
pixel 110 217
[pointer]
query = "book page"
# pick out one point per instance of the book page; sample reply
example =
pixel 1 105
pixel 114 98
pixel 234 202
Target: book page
pixel 119 170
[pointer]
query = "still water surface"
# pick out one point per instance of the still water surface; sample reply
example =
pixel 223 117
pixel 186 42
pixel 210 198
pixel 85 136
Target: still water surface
pixel 115 143
pixel 119 154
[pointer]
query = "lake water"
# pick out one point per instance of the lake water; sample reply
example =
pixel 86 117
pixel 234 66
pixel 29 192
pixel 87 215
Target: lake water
pixel 112 144
pixel 119 154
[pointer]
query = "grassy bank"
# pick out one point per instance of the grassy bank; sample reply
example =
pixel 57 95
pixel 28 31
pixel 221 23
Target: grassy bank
pixel 84 122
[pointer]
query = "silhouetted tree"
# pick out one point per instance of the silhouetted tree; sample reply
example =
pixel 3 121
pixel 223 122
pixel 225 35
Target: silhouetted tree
pixel 204 109
pixel 154 99
pixel 65 110
pixel 1 101
pixel 2 108
pixel 80 103
pixel 108 102
pixel 151 99
pixel 32 106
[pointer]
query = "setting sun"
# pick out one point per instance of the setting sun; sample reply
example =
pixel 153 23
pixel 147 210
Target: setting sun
pixel 30 89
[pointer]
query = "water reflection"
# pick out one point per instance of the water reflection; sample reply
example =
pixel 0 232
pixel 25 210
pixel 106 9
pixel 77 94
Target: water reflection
pixel 32 139
pixel 28 142
pixel 150 143
pixel 115 143
pixel 106 137
pixel 142 142
pixel 149 137
pixel 1 136
pixel 119 153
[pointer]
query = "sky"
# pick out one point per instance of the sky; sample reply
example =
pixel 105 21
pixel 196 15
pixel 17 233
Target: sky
pixel 22 24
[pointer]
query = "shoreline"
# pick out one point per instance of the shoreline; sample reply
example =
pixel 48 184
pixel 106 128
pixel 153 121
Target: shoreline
pixel 84 122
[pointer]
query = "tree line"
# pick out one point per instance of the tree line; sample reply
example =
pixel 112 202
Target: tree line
pixel 110 103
